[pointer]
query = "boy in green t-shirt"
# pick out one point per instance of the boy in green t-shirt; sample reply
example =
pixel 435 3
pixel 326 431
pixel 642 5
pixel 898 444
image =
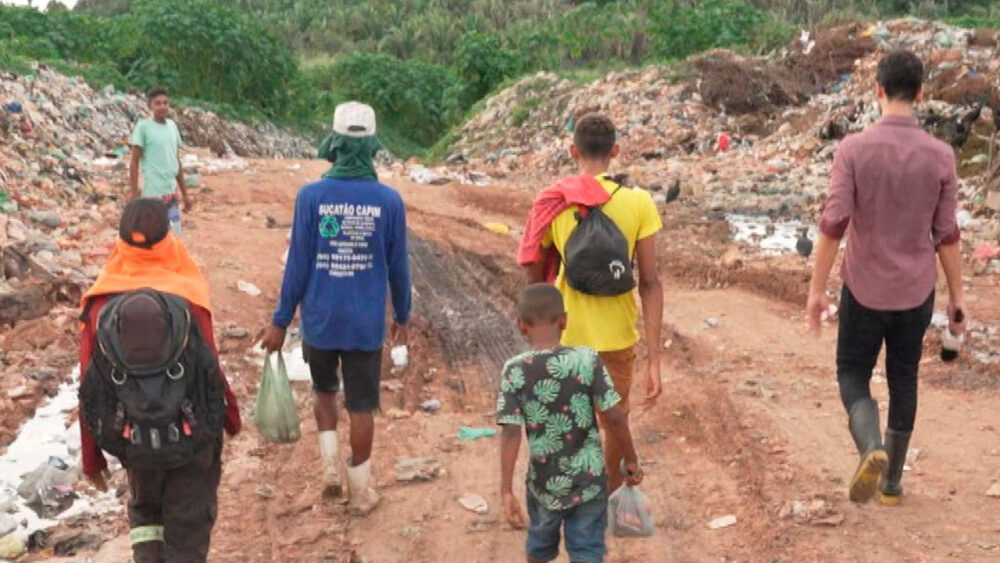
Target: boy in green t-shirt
pixel 156 147
pixel 553 392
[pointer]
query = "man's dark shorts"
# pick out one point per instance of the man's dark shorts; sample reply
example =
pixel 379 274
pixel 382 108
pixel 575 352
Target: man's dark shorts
pixel 361 373
pixel 585 526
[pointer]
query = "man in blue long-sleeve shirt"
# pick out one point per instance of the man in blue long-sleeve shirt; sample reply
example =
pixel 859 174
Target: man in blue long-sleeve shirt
pixel 348 246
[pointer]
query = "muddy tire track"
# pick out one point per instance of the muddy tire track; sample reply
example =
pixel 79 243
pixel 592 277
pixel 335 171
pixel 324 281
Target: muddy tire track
pixel 458 294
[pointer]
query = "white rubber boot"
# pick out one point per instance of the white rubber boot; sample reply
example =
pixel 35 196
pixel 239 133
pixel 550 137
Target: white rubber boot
pixel 332 486
pixel 363 499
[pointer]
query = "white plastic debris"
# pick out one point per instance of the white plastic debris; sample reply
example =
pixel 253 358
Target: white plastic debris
pixel 474 503
pixel 248 288
pixel 722 522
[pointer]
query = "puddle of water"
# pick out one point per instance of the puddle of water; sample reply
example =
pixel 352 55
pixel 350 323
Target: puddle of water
pixel 772 237
pixel 43 436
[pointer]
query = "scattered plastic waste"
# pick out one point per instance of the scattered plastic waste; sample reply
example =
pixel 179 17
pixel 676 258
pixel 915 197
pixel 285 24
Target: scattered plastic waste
pixel 248 288
pixel 12 547
pixel 722 522
pixel 40 465
pixel 467 433
pixel 987 251
pixel 418 469
pixel 773 237
pixel 296 366
pixel 400 356
pixel 474 503
pixel 994 490
pixel 498 228
pixel 48 489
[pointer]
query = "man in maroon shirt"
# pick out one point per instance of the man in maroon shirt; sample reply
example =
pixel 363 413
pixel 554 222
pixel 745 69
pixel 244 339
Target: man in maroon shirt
pixel 892 191
pixel 171 511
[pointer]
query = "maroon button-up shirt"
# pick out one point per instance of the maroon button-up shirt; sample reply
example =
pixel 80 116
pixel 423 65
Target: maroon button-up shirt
pixel 892 190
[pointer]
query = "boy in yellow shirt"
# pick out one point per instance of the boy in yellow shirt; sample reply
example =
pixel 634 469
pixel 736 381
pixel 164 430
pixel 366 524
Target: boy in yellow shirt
pixel 602 322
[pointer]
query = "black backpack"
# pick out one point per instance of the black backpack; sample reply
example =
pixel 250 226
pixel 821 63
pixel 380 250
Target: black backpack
pixel 152 395
pixel 596 260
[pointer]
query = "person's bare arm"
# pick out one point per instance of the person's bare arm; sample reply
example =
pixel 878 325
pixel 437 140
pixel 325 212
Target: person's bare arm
pixel 180 184
pixel 950 256
pixel 826 254
pixel 510 446
pixel 133 172
pixel 617 428
pixel 534 272
pixel 651 295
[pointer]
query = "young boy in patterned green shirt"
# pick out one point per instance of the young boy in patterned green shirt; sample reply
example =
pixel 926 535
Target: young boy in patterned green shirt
pixel 551 391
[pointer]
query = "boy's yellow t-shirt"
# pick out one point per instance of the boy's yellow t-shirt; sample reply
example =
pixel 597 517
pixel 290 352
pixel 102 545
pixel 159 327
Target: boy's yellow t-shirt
pixel 605 324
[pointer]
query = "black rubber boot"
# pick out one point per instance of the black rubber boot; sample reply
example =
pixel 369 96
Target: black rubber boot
pixel 864 425
pixel 896 445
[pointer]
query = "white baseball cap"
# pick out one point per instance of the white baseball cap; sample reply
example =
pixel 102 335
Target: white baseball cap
pixel 354 119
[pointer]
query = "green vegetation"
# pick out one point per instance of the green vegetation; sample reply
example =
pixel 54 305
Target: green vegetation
pixel 198 49
pixel 423 64
pixel 977 21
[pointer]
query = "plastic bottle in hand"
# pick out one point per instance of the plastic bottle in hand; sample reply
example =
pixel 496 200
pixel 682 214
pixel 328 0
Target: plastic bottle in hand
pixel 952 343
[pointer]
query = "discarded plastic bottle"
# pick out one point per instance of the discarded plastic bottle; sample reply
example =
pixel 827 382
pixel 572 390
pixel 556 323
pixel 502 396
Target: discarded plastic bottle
pixel 952 343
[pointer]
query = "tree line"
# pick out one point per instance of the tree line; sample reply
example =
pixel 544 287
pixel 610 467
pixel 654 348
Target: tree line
pixel 291 61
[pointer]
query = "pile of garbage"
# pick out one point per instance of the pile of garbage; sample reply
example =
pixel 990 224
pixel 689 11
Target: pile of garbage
pixel 63 169
pixel 38 477
pixel 202 128
pixel 755 135
pixel 751 140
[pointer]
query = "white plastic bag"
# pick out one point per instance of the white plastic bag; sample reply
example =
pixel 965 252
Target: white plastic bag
pixel 276 417
pixel 630 513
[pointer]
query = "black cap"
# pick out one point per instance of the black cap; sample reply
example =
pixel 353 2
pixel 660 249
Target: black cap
pixel 144 223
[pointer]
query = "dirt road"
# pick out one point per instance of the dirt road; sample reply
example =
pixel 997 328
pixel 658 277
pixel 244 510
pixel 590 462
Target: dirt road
pixel 750 423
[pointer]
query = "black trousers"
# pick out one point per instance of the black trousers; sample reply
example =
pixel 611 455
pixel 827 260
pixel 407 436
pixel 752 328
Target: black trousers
pixel 171 512
pixel 861 334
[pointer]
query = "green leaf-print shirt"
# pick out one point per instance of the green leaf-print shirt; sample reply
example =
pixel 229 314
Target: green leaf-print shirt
pixel 553 393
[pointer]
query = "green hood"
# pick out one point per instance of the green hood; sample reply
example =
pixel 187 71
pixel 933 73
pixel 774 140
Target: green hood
pixel 351 156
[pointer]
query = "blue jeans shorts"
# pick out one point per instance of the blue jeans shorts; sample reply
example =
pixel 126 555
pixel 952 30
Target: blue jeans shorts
pixel 585 526
pixel 174 214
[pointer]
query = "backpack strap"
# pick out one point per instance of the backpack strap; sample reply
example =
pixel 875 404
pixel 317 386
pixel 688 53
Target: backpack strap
pixel 612 196
pixel 601 206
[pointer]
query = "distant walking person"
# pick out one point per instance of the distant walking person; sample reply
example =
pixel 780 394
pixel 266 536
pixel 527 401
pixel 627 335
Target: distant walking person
pixel 348 247
pixel 156 144
pixel 591 230
pixel 892 191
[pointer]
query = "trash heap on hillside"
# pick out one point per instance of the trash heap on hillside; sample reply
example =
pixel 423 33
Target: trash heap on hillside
pixel 63 170
pixel 754 135
pixel 752 140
